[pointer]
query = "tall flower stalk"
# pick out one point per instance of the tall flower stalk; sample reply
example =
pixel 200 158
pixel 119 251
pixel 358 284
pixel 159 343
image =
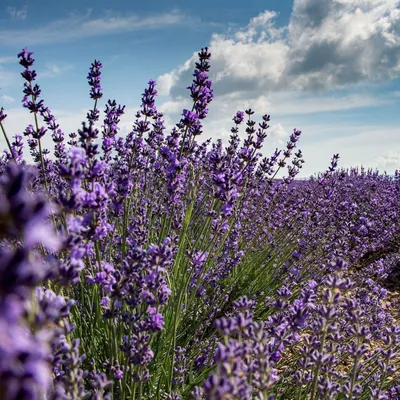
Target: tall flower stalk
pixel 183 268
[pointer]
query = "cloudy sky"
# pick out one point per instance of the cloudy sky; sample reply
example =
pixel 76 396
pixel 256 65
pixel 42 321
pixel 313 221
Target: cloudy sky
pixel 328 67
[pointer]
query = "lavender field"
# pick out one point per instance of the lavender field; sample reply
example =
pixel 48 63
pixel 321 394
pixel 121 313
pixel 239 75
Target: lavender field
pixel 163 265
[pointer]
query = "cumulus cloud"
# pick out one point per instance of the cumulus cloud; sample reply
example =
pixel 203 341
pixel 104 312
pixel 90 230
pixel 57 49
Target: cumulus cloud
pixel 20 14
pixel 278 134
pixel 173 107
pixel 290 70
pixel 391 160
pixel 327 44
pixel 334 43
pixel 323 60
pixel 169 80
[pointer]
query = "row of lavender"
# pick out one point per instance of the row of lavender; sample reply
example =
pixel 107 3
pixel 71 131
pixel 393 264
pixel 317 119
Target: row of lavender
pixel 158 266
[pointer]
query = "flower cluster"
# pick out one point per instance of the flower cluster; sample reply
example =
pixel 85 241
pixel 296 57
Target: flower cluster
pixel 157 265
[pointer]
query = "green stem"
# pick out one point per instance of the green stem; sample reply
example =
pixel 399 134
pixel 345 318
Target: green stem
pixel 8 142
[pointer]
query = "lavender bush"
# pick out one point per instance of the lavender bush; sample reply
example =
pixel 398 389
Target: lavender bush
pixel 156 265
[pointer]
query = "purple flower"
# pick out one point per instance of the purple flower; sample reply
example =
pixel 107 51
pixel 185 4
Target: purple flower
pixel 3 115
pixel 94 77
pixel 156 320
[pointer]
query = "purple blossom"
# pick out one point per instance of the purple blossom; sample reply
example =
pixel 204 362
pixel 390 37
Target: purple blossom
pixel 163 265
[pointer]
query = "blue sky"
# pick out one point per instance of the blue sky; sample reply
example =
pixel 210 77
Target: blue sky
pixel 328 67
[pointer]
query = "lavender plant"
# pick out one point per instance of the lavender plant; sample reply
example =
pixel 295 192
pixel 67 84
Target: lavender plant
pixel 158 265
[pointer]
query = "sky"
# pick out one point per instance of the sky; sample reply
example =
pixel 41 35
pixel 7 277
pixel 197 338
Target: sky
pixel 330 68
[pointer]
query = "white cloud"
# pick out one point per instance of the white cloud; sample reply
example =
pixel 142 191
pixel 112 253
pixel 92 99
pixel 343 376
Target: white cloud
pixel 168 80
pixel 78 27
pixel 176 106
pixel 277 135
pixel 328 44
pixel 7 99
pixel 20 14
pixel 165 83
pixel 52 70
pixel 341 45
pixel 334 43
pixel 390 160
pixel 263 26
